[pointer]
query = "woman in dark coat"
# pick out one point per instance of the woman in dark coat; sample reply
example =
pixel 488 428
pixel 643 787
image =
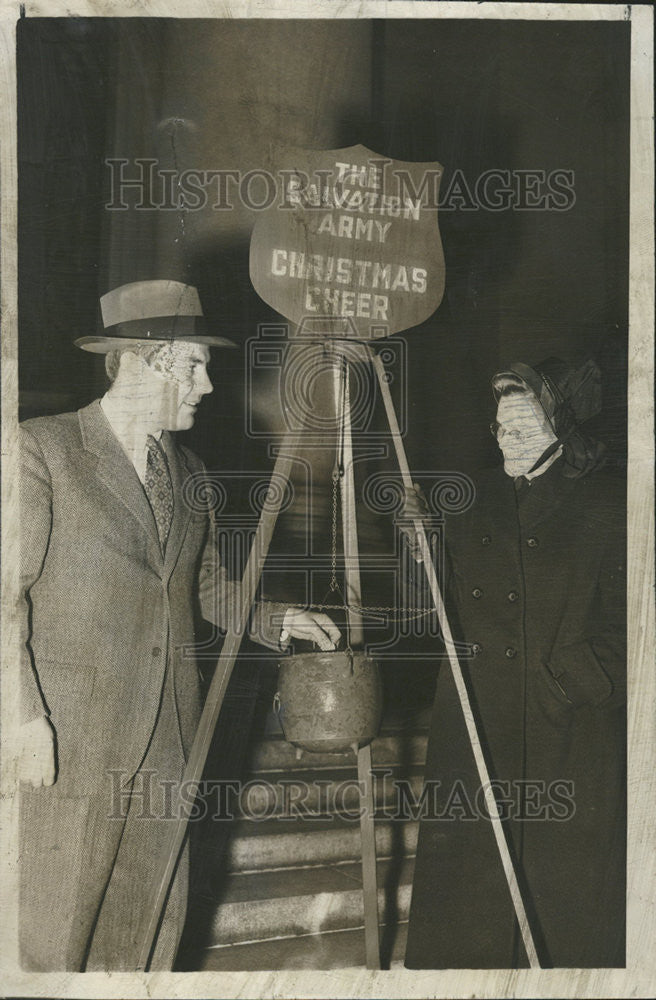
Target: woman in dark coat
pixel 537 590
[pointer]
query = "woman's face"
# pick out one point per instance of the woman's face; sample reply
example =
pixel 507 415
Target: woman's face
pixel 523 432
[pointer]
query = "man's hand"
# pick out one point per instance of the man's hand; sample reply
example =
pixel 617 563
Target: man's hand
pixel 36 760
pixel 414 508
pixel 311 626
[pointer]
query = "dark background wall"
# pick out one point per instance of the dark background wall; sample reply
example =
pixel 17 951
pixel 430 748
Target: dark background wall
pixel 473 95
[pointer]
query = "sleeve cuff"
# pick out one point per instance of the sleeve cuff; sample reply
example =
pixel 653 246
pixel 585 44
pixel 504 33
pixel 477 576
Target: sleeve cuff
pixel 285 634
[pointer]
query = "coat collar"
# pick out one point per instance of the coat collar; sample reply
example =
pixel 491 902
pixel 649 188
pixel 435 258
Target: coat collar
pixel 118 475
pixel 545 495
pixel 497 495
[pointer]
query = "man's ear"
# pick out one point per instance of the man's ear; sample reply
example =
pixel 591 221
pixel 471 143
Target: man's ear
pixel 130 359
pixel 130 366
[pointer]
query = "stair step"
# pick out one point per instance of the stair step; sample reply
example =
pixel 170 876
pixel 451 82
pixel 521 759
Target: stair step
pixel 334 950
pixel 276 754
pixel 287 903
pixel 315 792
pixel 272 843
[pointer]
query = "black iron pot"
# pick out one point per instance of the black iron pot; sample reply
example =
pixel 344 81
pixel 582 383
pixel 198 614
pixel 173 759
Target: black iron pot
pixel 329 702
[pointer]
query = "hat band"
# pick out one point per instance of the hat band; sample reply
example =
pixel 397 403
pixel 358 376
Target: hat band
pixel 159 328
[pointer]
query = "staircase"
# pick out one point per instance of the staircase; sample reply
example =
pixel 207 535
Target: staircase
pixel 286 892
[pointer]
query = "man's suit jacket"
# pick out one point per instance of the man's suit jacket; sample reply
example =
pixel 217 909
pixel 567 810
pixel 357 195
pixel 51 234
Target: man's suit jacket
pixel 102 609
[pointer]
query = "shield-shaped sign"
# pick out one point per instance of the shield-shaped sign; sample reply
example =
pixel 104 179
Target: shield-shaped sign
pixel 352 242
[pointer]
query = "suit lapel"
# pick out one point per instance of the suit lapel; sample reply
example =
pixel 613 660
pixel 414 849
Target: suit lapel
pixel 115 470
pixel 181 511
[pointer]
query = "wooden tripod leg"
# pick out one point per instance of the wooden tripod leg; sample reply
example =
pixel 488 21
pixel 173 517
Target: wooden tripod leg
pixel 353 592
pixel 368 841
pixel 147 932
pixel 353 586
pixel 470 722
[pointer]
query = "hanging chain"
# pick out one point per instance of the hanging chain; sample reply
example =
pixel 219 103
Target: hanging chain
pixel 338 472
pixel 333 548
pixel 409 614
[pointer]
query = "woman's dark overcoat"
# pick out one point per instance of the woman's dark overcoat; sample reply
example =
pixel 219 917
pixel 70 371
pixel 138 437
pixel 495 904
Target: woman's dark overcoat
pixel 538 591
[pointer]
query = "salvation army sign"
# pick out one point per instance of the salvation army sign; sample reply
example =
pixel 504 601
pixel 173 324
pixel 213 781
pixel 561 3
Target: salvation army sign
pixel 353 236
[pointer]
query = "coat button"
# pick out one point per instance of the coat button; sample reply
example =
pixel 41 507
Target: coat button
pixel 511 652
pixel 532 542
pixel 477 592
pixel 513 596
pixel 486 539
pixel 156 651
pixel 476 648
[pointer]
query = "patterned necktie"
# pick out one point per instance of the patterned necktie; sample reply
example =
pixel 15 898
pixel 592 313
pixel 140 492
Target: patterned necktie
pixel 159 489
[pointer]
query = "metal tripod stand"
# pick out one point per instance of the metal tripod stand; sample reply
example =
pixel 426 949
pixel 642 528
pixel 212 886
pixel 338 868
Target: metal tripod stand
pixel 250 581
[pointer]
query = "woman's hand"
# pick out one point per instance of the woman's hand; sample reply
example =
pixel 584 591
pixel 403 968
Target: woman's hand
pixel 415 508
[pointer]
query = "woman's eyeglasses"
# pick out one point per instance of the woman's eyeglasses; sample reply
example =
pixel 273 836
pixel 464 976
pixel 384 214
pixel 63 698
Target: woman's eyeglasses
pixel 498 431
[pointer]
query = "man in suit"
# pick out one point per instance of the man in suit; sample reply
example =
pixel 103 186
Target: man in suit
pixel 114 566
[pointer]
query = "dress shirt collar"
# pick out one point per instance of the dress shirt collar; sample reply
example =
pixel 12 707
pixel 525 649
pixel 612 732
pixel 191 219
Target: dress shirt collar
pixel 132 437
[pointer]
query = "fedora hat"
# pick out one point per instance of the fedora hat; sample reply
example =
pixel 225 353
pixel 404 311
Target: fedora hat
pixel 150 311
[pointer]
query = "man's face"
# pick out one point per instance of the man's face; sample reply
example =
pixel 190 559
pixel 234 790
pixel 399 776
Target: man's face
pixel 177 381
pixel 523 432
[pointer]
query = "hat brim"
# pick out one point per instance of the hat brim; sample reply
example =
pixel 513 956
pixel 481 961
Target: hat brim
pixel 534 383
pixel 103 345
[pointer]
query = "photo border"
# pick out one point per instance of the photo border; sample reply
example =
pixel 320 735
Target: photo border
pixel 638 979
